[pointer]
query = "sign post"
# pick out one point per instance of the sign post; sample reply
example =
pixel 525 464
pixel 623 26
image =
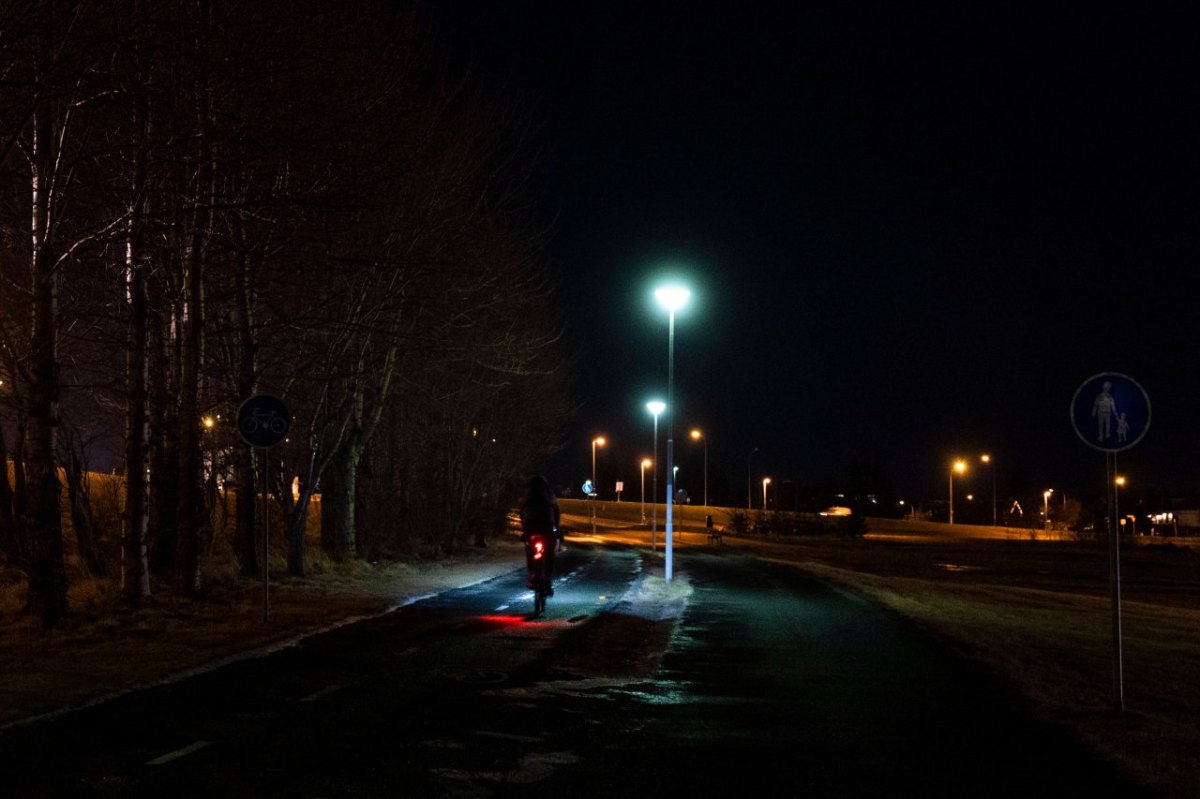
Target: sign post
pixel 1111 412
pixel 263 421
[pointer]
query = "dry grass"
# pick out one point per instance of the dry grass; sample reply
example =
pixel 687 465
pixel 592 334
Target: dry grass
pixel 1041 616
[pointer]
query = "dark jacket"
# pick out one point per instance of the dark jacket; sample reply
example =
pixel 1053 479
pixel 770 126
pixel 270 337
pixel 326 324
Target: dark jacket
pixel 540 513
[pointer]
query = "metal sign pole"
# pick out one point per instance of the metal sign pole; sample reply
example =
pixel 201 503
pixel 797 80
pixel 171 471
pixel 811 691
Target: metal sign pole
pixel 1111 412
pixel 263 421
pixel 1115 579
pixel 266 536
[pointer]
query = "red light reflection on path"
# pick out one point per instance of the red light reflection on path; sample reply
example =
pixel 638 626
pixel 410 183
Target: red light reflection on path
pixel 503 620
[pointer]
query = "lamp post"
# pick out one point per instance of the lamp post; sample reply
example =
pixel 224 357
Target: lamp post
pixel 672 298
pixel 699 436
pixel 645 462
pixel 599 440
pixel 986 458
pixel 959 466
pixel 766 482
pixel 1046 508
pixel 655 407
pixel 1118 484
pixel 749 480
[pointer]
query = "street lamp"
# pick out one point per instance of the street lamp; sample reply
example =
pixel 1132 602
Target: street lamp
pixel 699 436
pixel 655 407
pixel 1046 508
pixel 1119 483
pixel 595 488
pixel 645 462
pixel 766 482
pixel 672 298
pixel 959 466
pixel 986 458
pixel 749 480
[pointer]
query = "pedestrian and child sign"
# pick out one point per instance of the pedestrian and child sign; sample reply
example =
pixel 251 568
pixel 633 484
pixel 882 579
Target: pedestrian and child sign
pixel 1110 412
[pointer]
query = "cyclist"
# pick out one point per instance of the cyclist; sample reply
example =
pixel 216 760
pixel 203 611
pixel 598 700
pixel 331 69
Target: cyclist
pixel 540 515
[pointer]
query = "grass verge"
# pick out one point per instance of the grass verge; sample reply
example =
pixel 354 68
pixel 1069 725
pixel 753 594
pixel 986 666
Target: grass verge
pixel 1042 618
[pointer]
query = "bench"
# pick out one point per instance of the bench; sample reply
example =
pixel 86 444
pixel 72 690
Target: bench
pixel 714 535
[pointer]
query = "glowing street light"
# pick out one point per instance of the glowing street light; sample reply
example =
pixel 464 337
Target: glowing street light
pixel 766 482
pixel 598 441
pixel 959 466
pixel 1119 483
pixel 645 463
pixel 697 435
pixel 1046 508
pixel 655 407
pixel 986 458
pixel 672 298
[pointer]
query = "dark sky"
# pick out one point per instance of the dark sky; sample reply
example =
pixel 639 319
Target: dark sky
pixel 911 231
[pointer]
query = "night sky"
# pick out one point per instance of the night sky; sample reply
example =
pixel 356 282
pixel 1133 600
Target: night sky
pixel 911 232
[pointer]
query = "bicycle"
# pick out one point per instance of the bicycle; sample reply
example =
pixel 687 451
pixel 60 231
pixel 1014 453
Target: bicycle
pixel 539 578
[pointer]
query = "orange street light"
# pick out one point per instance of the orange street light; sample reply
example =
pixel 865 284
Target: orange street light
pixel 959 466
pixel 697 435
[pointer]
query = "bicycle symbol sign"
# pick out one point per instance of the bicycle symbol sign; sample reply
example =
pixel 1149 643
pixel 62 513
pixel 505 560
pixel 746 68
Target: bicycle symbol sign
pixel 263 421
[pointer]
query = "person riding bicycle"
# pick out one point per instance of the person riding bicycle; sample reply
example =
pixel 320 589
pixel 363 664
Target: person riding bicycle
pixel 540 516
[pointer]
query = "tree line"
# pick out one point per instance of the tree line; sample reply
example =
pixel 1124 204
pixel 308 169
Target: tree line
pixel 203 200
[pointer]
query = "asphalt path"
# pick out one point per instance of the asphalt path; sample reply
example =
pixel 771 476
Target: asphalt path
pixel 762 675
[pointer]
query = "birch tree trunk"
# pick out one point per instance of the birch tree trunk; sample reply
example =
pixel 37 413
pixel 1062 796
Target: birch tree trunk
pixel 134 545
pixel 47 596
pixel 191 464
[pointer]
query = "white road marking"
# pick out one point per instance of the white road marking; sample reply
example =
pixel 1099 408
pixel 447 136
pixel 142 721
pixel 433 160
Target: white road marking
pixel 326 691
pixel 178 753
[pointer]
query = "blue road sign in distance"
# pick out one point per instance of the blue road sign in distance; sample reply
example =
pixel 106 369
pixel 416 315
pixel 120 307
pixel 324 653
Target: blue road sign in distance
pixel 263 421
pixel 587 488
pixel 1110 412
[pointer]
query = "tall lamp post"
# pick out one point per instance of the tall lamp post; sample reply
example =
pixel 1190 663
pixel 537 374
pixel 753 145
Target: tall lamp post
pixel 1119 483
pixel 766 482
pixel 655 407
pixel 697 435
pixel 1046 508
pixel 959 466
pixel 749 481
pixel 645 462
pixel 599 440
pixel 672 298
pixel 986 458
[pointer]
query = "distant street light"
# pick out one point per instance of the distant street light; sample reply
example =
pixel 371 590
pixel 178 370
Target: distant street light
pixel 1046 508
pixel 749 481
pixel 595 488
pixel 655 407
pixel 699 436
pixel 672 298
pixel 766 482
pixel 959 466
pixel 1119 482
pixel 986 458
pixel 645 462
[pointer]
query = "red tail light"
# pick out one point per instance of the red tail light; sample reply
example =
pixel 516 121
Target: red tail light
pixel 539 548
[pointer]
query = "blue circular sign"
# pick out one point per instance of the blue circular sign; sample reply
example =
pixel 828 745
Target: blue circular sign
pixel 263 421
pixel 1110 412
pixel 587 488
